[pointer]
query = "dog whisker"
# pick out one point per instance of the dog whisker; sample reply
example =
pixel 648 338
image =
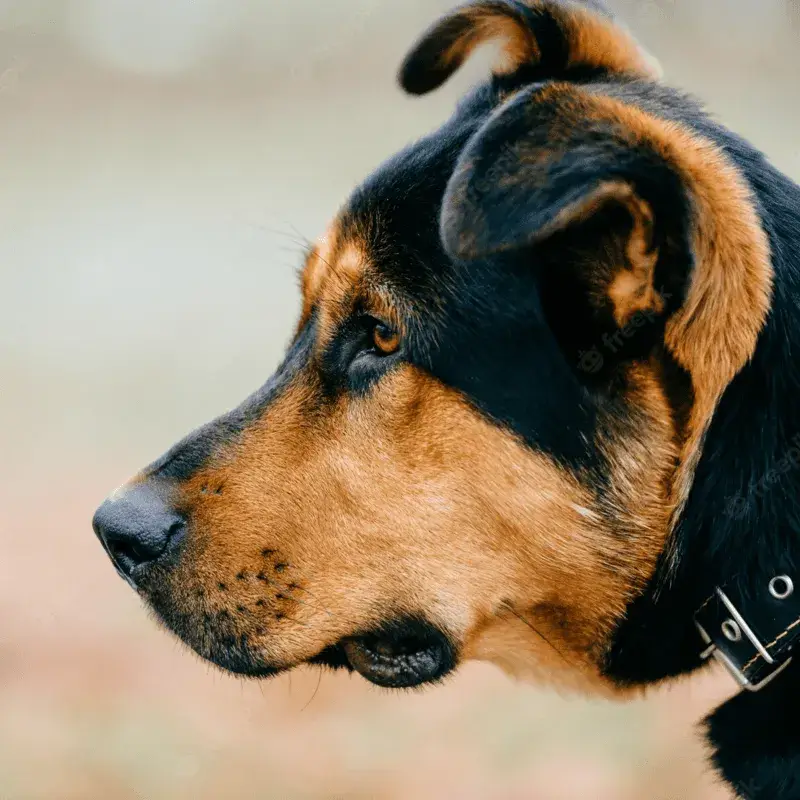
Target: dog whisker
pixel 316 689
pixel 547 641
pixel 319 607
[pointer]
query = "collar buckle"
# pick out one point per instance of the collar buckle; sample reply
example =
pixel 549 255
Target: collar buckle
pixel 753 660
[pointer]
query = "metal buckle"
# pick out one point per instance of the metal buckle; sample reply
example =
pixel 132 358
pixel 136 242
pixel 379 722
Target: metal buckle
pixel 723 658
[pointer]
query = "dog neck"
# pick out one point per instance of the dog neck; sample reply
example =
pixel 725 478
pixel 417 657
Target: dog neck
pixel 740 528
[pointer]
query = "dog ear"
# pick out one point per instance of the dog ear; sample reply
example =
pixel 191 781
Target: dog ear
pixel 555 36
pixel 621 214
pixel 594 215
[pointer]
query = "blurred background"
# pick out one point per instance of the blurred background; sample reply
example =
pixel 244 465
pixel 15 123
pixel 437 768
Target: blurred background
pixel 161 163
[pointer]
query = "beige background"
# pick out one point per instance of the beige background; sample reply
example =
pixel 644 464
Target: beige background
pixel 160 163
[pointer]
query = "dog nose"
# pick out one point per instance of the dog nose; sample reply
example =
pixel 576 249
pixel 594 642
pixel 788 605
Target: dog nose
pixel 136 527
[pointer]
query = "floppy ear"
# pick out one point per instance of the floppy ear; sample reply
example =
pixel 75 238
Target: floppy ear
pixel 552 36
pixel 594 215
pixel 622 214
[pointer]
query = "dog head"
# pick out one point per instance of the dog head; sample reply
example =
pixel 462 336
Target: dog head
pixel 513 338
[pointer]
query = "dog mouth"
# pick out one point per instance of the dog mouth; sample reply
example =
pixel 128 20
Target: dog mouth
pixel 400 655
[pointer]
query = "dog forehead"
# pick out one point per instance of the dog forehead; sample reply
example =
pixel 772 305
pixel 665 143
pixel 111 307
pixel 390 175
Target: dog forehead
pixel 394 213
pixel 386 236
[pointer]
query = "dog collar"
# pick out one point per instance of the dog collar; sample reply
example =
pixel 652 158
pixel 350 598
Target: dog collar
pixel 752 633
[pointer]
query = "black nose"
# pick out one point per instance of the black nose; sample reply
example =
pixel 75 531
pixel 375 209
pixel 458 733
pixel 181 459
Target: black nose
pixel 136 528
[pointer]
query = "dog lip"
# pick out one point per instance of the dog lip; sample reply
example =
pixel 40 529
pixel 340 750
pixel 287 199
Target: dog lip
pixel 400 660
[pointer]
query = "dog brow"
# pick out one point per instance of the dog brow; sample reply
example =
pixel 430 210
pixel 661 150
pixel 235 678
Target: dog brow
pixel 312 277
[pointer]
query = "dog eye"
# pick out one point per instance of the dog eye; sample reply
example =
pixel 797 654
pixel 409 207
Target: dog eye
pixel 385 339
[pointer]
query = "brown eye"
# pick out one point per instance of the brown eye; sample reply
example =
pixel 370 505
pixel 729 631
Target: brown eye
pixel 385 338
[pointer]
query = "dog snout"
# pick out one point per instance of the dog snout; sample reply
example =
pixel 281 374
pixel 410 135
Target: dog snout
pixel 137 526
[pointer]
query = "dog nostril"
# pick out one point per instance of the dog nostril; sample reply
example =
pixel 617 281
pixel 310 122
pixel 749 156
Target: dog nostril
pixel 139 553
pixel 136 528
pixel 173 531
pixel 128 551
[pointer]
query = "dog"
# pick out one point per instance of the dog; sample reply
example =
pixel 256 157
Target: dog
pixel 540 408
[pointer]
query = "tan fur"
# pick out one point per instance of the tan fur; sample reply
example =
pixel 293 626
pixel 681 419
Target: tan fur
pixel 343 284
pixel 323 520
pixel 328 516
pixel 593 40
pixel 315 271
pixel 517 44
pixel 631 289
pixel 598 42
pixel 405 501
pixel 714 334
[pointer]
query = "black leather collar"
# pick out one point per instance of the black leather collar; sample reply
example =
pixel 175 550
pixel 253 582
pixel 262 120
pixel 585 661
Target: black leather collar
pixel 753 633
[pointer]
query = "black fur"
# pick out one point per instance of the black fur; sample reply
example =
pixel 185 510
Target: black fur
pixel 489 328
pixel 423 69
pixel 743 515
pixel 757 740
pixel 489 323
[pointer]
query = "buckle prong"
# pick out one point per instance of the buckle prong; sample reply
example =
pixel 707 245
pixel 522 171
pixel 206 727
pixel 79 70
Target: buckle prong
pixel 734 612
pixel 734 670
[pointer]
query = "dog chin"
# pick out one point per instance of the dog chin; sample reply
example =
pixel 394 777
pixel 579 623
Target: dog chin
pixel 398 656
pixel 401 653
